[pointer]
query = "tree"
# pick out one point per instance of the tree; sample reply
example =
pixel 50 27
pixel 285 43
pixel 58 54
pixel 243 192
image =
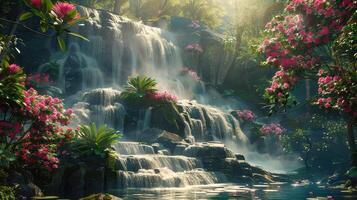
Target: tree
pixel 312 40
pixel 32 125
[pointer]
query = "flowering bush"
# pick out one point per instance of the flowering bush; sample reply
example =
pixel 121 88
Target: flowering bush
pixel 272 129
pixel 31 124
pixel 195 47
pixel 35 130
pixel 35 79
pixel 293 44
pixel 246 115
pixel 191 73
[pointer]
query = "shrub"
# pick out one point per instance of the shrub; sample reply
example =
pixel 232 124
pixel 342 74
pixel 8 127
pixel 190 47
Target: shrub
pixel 139 87
pixel 90 140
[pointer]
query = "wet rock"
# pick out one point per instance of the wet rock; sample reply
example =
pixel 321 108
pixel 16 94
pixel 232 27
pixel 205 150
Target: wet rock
pixel 101 197
pixel 156 147
pixel 94 180
pixel 164 152
pixel 239 156
pixel 24 185
pixel 179 149
pixel 212 155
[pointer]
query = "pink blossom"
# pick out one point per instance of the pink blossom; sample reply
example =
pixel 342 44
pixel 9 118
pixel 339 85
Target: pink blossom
pixel 62 9
pixel 163 97
pixel 13 68
pixel 195 47
pixel 246 115
pixel 36 3
pixel 286 85
pixel 324 31
pixel 272 128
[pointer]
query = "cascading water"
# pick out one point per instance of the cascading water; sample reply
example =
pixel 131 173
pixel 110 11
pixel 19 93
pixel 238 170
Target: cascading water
pixel 102 107
pixel 139 167
pixel 208 123
pixel 120 48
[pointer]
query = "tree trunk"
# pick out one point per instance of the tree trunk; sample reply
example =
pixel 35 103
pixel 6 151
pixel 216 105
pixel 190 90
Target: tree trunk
pixel 351 140
pixel 117 7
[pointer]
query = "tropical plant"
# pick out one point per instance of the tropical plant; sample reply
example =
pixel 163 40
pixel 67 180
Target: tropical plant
pixel 7 193
pixel 139 87
pixel 92 141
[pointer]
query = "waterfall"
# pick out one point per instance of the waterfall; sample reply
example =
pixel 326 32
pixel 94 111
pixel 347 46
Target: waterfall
pixel 101 106
pixel 207 122
pixel 133 148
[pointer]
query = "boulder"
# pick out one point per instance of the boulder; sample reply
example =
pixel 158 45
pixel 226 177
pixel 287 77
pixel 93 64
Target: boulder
pixel 23 182
pixel 94 180
pixel 212 155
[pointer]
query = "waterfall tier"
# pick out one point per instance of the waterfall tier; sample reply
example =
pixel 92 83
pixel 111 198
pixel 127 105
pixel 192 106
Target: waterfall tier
pixel 167 178
pixel 209 123
pixel 174 163
pixel 140 167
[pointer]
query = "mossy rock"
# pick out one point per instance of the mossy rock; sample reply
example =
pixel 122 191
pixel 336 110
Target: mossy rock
pixel 101 197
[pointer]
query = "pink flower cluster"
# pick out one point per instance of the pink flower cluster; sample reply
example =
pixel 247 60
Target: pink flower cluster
pixel 37 78
pixel 194 47
pixel 195 24
pixel 45 108
pixel 36 129
pixel 273 128
pixel 190 72
pixel 63 9
pixel 13 69
pixel 246 115
pixel 334 93
pixel 163 97
pixel 281 83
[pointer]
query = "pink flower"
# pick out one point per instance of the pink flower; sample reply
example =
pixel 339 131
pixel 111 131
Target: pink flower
pixel 280 94
pixel 36 3
pixel 286 85
pixel 62 9
pixel 13 68
pixel 273 128
pixel 324 31
pixel 246 115
pixel 327 105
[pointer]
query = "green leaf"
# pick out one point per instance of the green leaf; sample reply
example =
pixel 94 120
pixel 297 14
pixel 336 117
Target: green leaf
pixel 48 5
pixel 71 14
pixel 25 16
pixel 79 36
pixel 43 26
pixel 61 43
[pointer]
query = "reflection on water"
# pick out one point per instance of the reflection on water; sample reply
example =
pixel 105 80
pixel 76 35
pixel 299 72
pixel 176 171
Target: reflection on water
pixel 231 191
